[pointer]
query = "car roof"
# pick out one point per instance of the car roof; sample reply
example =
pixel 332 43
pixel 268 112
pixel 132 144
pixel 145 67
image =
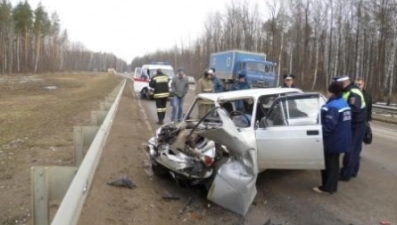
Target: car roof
pixel 253 93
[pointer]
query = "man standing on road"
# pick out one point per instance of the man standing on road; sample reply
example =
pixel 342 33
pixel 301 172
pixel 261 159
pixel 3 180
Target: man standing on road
pixel 241 84
pixel 180 87
pixel 336 126
pixel 218 87
pixel 288 81
pixel 159 83
pixel 205 85
pixel 355 98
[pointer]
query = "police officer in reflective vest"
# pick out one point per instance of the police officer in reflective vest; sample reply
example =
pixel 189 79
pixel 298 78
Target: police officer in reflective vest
pixel 355 98
pixel 159 83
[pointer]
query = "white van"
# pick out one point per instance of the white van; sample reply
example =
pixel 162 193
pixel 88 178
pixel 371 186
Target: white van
pixel 143 75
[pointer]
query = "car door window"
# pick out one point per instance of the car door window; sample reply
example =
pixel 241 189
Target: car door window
pixel 294 112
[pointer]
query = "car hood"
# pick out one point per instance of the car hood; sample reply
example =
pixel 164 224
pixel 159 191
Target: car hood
pixel 234 185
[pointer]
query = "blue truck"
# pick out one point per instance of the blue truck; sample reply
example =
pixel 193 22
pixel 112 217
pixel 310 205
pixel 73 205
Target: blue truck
pixel 259 72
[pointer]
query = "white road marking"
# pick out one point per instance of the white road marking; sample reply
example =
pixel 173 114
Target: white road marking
pixel 143 112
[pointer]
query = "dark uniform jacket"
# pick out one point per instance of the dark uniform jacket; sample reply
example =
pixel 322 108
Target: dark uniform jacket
pixel 159 83
pixel 368 104
pixel 355 98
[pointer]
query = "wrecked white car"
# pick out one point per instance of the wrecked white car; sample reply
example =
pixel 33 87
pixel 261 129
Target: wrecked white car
pixel 227 138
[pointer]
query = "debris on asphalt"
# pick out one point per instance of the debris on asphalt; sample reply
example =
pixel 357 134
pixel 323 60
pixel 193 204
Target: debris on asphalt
pixel 184 207
pixel 149 172
pixel 269 222
pixel 123 182
pixel 385 222
pixel 168 196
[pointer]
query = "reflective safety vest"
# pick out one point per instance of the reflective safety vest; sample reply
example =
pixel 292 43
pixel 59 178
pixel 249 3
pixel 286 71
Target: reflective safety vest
pixel 160 85
pixel 357 92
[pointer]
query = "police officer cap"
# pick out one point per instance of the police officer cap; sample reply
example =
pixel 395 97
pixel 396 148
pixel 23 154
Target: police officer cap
pixel 180 70
pixel 289 76
pixel 341 78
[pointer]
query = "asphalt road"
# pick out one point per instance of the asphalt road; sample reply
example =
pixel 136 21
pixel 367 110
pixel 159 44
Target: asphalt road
pixel 286 196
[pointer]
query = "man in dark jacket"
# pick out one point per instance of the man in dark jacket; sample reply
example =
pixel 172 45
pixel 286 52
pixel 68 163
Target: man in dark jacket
pixel 218 87
pixel 336 126
pixel 288 81
pixel 355 98
pixel 159 83
pixel 241 84
pixel 368 98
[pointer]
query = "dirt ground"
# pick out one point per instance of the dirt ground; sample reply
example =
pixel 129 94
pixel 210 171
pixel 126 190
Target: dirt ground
pixel 37 115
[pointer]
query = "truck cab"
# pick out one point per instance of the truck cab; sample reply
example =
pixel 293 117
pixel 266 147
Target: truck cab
pixel 228 64
pixel 259 73
pixel 143 75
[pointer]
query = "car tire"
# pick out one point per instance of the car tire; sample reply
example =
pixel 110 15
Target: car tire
pixel 144 93
pixel 158 169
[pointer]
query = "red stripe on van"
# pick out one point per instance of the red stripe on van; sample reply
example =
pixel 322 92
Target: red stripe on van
pixel 141 80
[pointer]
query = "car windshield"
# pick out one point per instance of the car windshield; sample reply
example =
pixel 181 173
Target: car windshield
pixel 257 66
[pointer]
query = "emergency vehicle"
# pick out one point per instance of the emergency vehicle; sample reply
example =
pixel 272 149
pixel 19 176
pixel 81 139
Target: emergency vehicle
pixel 143 75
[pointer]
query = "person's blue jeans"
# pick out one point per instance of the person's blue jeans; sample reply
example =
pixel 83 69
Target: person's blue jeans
pixel 177 108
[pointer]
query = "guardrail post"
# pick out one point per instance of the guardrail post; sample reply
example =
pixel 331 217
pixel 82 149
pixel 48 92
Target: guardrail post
pixel 82 139
pixel 40 195
pixel 49 184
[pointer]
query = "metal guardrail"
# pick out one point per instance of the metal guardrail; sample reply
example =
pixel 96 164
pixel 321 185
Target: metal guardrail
pixel 72 204
pixel 69 185
pixel 384 109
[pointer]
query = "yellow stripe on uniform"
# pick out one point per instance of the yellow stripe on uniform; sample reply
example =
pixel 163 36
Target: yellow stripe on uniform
pixel 161 95
pixel 357 92
pixel 161 109
pixel 161 79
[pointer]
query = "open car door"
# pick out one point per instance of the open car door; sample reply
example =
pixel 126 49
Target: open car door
pixel 141 80
pixel 137 72
pixel 290 136
pixel 234 185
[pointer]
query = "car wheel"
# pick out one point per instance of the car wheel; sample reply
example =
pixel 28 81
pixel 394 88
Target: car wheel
pixel 158 169
pixel 144 93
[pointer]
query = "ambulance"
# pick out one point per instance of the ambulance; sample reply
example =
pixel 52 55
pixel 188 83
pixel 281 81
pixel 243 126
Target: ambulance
pixel 143 75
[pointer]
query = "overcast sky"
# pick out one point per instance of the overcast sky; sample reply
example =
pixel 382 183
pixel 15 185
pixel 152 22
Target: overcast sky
pixel 130 28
